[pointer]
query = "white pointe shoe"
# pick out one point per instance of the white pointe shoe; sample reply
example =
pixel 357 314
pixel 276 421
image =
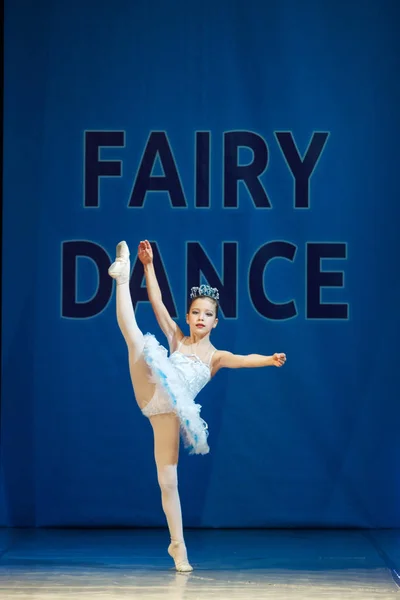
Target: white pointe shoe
pixel 120 269
pixel 178 552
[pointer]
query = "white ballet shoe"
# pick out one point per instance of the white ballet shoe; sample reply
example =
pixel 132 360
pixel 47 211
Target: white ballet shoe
pixel 120 269
pixel 178 552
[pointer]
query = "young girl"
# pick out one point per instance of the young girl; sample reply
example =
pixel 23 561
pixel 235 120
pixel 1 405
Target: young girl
pixel 166 387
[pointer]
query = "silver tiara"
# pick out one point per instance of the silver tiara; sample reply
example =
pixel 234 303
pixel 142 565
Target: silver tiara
pixel 204 290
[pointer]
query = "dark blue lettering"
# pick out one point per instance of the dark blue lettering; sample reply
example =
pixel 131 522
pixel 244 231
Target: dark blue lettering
pixel 199 263
pixel 270 310
pixel 157 147
pixel 202 169
pixel 96 168
pixel 301 169
pixel 71 308
pixel 317 279
pixel 250 173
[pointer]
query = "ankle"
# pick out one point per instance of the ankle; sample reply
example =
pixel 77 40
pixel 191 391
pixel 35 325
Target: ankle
pixel 177 542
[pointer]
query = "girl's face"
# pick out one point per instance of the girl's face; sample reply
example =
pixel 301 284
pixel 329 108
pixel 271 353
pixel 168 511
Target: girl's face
pixel 201 317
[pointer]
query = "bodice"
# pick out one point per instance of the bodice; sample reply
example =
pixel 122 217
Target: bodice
pixel 193 373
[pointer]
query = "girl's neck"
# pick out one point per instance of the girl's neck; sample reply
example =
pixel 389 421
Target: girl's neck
pixel 199 341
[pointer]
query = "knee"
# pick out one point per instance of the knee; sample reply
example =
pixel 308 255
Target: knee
pixel 168 478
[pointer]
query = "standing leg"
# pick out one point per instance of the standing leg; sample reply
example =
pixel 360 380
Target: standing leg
pixel 166 451
pixel 139 371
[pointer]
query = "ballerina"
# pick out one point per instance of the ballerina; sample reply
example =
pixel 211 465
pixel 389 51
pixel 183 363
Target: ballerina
pixel 166 387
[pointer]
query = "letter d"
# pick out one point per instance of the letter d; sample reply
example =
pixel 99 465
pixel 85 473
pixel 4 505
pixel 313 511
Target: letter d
pixel 71 308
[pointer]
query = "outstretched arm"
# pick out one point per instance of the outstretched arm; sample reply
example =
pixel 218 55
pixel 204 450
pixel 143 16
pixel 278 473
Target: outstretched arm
pixel 167 324
pixel 236 361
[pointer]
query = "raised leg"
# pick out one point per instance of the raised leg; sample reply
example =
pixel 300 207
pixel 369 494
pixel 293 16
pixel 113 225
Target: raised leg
pixel 139 371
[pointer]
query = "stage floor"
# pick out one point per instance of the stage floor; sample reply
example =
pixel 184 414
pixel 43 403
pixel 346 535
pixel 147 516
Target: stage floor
pixel 97 564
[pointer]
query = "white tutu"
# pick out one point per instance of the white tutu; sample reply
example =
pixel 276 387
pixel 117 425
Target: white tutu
pixel 171 373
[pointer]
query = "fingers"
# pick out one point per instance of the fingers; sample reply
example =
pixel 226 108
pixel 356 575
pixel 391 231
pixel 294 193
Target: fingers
pixel 144 245
pixel 281 358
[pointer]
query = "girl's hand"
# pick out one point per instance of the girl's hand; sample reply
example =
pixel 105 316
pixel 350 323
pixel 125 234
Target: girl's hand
pixel 278 359
pixel 145 253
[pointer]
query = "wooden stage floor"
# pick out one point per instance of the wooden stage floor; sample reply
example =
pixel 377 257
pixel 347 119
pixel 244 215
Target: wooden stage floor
pixel 235 564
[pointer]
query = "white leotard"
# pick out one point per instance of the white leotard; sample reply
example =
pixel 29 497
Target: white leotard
pixel 192 375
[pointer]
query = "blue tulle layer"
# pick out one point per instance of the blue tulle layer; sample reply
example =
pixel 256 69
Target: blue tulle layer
pixel 194 429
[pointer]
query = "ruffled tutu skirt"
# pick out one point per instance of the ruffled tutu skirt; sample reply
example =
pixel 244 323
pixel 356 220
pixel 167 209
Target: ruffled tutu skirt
pixel 194 429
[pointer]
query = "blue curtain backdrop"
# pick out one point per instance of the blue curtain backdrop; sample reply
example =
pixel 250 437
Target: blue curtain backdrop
pixel 256 144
